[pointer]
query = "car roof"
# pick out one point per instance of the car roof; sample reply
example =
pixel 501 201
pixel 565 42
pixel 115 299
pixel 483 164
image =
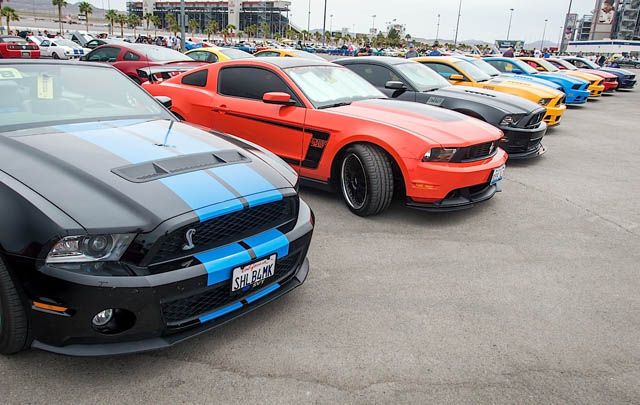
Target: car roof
pixel 5 62
pixel 386 60
pixel 284 63
pixel 446 59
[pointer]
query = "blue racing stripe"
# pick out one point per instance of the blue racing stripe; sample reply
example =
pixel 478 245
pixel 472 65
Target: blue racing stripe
pixel 271 241
pixel 262 293
pixel 177 140
pixel 197 189
pixel 220 312
pixel 220 262
pixel 246 181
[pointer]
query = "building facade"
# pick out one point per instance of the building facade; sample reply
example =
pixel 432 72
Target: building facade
pixel 239 13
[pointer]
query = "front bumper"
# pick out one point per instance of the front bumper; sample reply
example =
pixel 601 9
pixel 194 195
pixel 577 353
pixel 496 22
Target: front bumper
pixel 577 96
pixel 610 86
pixel 429 184
pixel 596 91
pixel 627 84
pixel 168 307
pixel 554 115
pixel 521 143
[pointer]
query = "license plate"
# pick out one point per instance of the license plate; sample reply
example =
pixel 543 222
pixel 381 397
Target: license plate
pixel 26 54
pixel 253 274
pixel 496 176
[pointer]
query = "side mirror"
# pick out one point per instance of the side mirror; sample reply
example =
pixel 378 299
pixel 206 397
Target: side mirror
pixel 277 97
pixel 165 101
pixel 516 71
pixel 394 85
pixel 456 78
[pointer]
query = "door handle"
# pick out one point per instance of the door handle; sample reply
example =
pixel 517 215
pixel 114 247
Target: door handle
pixel 221 109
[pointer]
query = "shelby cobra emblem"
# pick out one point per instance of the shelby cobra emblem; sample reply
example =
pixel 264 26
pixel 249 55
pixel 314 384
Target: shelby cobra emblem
pixel 189 238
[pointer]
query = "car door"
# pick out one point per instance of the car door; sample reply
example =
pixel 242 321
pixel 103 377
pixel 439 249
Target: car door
pixel 379 76
pixel 45 48
pixel 129 62
pixel 240 110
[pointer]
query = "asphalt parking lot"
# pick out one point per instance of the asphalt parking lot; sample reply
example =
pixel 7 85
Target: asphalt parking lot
pixel 531 297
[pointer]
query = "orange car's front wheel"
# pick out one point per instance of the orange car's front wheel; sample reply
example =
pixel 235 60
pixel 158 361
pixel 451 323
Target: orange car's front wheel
pixel 366 179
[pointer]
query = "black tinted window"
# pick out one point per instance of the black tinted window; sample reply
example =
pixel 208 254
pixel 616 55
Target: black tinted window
pixel 106 54
pixel 374 74
pixel 248 82
pixel 130 56
pixel 198 78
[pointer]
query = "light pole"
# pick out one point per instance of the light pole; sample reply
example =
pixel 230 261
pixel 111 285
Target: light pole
pixel 559 40
pixel 330 22
pixel 455 41
pixel 437 29
pixel 544 32
pixel 324 20
pixel 566 21
pixel 510 19
pixel 182 41
pixel 309 18
pixel 373 24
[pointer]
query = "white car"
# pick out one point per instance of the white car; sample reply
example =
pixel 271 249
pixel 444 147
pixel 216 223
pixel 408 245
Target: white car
pixel 58 48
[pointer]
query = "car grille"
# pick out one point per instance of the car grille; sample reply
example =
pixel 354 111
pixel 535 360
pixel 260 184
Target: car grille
pixel 535 120
pixel 226 229
pixel 475 152
pixel 576 86
pixel 181 311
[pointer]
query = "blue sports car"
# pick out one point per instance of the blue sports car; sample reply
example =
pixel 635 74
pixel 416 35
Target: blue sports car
pixel 576 90
pixel 626 78
pixel 125 230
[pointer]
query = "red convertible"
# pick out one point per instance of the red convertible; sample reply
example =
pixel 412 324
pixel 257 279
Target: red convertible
pixel 340 132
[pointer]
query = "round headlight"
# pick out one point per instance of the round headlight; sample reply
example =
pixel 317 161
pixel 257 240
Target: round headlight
pixel 98 246
pixel 103 317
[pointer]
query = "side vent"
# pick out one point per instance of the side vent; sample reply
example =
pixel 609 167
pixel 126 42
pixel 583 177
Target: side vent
pixel 158 169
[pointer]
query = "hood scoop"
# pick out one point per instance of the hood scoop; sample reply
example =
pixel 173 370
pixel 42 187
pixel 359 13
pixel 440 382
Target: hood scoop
pixel 479 93
pixel 158 169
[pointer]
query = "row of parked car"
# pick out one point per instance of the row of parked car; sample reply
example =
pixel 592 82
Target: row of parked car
pixel 136 217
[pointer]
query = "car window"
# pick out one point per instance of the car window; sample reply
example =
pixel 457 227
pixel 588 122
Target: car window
pixel 45 43
pixel 250 82
pixel 106 54
pixel 267 54
pixel 198 78
pixel 444 70
pixel 503 66
pixel 374 74
pixel 199 56
pixel 235 53
pixel 578 63
pixel 130 56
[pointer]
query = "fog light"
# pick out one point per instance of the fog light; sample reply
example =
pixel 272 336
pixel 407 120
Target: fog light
pixel 102 318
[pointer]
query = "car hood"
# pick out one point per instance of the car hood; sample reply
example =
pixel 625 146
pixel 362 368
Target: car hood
pixel 517 85
pixel 618 70
pixel 505 102
pixel 599 73
pixel 118 176
pixel 568 79
pixel 530 79
pixel 434 124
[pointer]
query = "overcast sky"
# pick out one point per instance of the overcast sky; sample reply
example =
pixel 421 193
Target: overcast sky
pixel 481 19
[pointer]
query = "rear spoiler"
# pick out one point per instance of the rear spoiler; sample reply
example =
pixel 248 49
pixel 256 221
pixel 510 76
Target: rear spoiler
pixel 163 72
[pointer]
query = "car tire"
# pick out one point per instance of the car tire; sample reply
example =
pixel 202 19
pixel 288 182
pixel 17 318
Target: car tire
pixel 366 179
pixel 55 56
pixel 14 325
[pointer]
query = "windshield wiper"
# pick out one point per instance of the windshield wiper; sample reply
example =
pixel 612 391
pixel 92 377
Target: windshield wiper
pixel 335 105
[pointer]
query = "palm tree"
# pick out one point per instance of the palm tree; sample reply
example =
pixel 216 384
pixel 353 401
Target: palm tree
pixel 212 27
pixel 229 29
pixel 327 36
pixel 173 25
pixel 1 5
pixel 11 15
pixel 240 35
pixel 317 36
pixel 86 9
pixel 290 33
pixel 111 17
pixel 193 25
pixel 147 19
pixel 337 36
pixel 265 27
pixel 156 23
pixel 59 4
pixel 122 20
pixel 252 29
pixel 135 21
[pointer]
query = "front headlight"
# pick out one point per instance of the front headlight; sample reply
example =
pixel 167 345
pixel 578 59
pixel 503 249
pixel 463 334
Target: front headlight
pixel 544 101
pixel 511 120
pixel 90 248
pixel 439 155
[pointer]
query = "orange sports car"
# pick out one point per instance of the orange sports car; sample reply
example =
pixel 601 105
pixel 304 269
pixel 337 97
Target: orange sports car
pixel 340 132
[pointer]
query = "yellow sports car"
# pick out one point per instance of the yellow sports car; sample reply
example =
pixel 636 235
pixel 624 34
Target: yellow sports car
pixel 287 53
pixel 595 82
pixel 461 72
pixel 216 54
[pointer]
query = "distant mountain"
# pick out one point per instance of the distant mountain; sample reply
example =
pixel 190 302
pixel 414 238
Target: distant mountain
pixel 540 45
pixel 44 8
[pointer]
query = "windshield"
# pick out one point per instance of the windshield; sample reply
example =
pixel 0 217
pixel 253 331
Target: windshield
pixel 485 67
pixel 472 71
pixel 235 53
pixel 19 40
pixel 49 94
pixel 526 67
pixel 66 42
pixel 422 77
pixel 159 54
pixel 547 65
pixel 589 63
pixel 325 86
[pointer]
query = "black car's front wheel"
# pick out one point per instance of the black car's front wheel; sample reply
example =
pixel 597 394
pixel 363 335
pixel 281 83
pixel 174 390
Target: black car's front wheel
pixel 14 326
pixel 366 179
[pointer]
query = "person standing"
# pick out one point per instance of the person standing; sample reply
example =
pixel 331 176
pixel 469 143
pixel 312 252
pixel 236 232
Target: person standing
pixel 546 55
pixel 366 51
pixel 536 53
pixel 412 53
pixel 508 53
pixel 435 51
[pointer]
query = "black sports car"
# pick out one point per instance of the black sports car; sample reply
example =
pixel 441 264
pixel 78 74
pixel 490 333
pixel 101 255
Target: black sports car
pixel 519 119
pixel 124 230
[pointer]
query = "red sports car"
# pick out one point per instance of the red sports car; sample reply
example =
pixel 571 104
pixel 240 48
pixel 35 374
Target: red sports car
pixel 128 57
pixel 340 132
pixel 610 81
pixel 12 47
